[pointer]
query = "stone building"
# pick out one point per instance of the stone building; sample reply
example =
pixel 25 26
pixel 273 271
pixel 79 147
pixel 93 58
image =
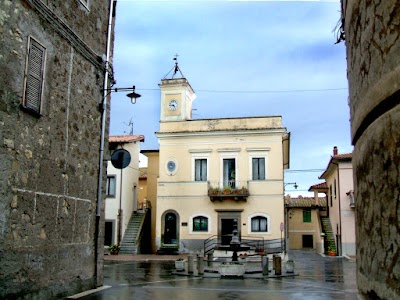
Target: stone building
pixel 372 30
pixel 50 89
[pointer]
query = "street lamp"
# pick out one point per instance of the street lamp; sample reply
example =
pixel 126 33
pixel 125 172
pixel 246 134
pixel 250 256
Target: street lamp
pixel 133 95
pixel 294 184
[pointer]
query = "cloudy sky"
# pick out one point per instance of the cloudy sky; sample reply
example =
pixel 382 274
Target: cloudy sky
pixel 242 58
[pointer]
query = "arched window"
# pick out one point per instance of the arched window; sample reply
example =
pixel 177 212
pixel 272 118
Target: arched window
pixel 259 224
pixel 200 223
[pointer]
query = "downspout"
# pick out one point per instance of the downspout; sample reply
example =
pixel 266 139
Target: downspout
pixel 340 210
pixel 103 130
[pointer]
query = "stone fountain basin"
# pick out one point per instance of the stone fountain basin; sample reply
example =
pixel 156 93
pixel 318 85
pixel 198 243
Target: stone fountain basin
pixel 232 269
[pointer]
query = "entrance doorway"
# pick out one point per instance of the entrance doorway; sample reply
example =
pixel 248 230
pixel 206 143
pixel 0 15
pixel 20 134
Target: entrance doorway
pixel 308 241
pixel 226 223
pixel 226 231
pixel 170 232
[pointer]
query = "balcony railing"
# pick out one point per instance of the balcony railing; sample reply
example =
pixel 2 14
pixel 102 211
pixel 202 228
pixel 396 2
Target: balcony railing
pixel 232 190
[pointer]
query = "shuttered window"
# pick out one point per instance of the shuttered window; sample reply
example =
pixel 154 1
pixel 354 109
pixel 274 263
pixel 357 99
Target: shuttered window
pixel 34 76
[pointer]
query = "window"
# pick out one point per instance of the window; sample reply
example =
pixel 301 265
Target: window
pixel 110 186
pixel 34 76
pixel 229 172
pixel 307 215
pixel 330 193
pixel 259 224
pixel 258 167
pixel 334 187
pixel 200 169
pixel 200 223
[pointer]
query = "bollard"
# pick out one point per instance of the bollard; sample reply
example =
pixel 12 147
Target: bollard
pixel 277 264
pixel 210 259
pixel 265 267
pixel 200 265
pixel 190 263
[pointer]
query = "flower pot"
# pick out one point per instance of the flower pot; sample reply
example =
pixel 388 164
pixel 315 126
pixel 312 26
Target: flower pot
pixel 289 266
pixel 114 253
pixel 331 253
pixel 180 265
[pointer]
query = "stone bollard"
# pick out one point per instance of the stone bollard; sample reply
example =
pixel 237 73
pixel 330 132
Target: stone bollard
pixel 190 263
pixel 210 259
pixel 200 265
pixel 265 267
pixel 278 264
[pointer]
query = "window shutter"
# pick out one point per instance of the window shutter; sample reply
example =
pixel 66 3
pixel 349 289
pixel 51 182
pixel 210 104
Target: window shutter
pixel 34 76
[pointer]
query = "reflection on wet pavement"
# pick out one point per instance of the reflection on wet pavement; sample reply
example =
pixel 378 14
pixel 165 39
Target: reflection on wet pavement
pixel 319 278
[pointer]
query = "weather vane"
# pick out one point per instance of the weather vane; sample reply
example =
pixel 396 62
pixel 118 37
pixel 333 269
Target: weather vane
pixel 175 68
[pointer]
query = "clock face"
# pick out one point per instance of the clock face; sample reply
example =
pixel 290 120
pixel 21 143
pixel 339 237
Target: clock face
pixel 173 105
pixel 171 166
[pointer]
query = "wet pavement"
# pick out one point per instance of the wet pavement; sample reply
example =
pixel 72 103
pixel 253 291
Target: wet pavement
pixel 319 278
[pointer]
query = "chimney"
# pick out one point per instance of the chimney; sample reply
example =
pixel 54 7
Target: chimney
pixel 335 151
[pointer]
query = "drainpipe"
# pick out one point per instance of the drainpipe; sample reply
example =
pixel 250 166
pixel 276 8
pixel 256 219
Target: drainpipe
pixel 103 129
pixel 340 212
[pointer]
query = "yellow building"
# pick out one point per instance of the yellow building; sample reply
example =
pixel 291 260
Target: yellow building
pixel 304 225
pixel 215 173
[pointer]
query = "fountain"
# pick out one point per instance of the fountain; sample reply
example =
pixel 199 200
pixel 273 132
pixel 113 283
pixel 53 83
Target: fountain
pixel 234 268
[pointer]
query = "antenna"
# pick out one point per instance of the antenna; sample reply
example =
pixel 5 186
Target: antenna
pixel 130 124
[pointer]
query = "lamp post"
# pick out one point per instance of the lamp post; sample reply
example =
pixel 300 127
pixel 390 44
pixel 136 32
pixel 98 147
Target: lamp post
pixel 103 105
pixel 286 225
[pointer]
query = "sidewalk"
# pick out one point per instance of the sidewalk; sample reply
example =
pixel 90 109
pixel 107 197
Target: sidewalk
pixel 144 257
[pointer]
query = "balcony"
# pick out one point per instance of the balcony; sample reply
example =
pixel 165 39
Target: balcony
pixel 232 190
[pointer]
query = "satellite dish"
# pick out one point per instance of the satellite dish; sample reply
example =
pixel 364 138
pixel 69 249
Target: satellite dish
pixel 120 159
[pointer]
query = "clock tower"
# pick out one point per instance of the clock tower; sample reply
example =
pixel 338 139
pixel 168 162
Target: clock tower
pixel 177 97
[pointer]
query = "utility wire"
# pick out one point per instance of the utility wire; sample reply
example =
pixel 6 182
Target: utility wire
pixel 261 92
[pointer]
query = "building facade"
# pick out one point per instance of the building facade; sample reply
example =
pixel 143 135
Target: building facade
pixel 50 89
pixel 216 173
pixel 122 188
pixel 303 221
pixel 340 201
pixel 371 31
pixel 151 194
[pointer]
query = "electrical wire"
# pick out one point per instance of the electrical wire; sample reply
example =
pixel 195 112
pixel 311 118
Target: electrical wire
pixel 261 92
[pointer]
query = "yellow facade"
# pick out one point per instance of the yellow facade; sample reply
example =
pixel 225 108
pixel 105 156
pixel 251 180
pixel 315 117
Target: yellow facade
pixel 221 146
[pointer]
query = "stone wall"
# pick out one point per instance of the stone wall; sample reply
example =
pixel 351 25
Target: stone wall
pixel 372 29
pixel 49 164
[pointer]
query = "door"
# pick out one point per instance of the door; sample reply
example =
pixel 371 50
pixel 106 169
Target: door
pixel 108 233
pixel 229 172
pixel 170 229
pixel 227 226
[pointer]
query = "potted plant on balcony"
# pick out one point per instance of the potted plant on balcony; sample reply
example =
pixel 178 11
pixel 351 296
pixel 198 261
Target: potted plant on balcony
pixel 114 249
pixel 227 190
pixel 331 250
pixel 180 264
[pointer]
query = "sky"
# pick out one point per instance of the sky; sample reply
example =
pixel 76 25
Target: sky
pixel 242 58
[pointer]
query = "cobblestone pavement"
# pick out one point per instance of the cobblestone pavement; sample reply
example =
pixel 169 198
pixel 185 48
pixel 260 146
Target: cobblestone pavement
pixel 151 277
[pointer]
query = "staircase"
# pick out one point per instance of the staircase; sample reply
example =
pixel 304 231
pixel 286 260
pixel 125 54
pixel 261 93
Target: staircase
pixel 131 242
pixel 329 236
